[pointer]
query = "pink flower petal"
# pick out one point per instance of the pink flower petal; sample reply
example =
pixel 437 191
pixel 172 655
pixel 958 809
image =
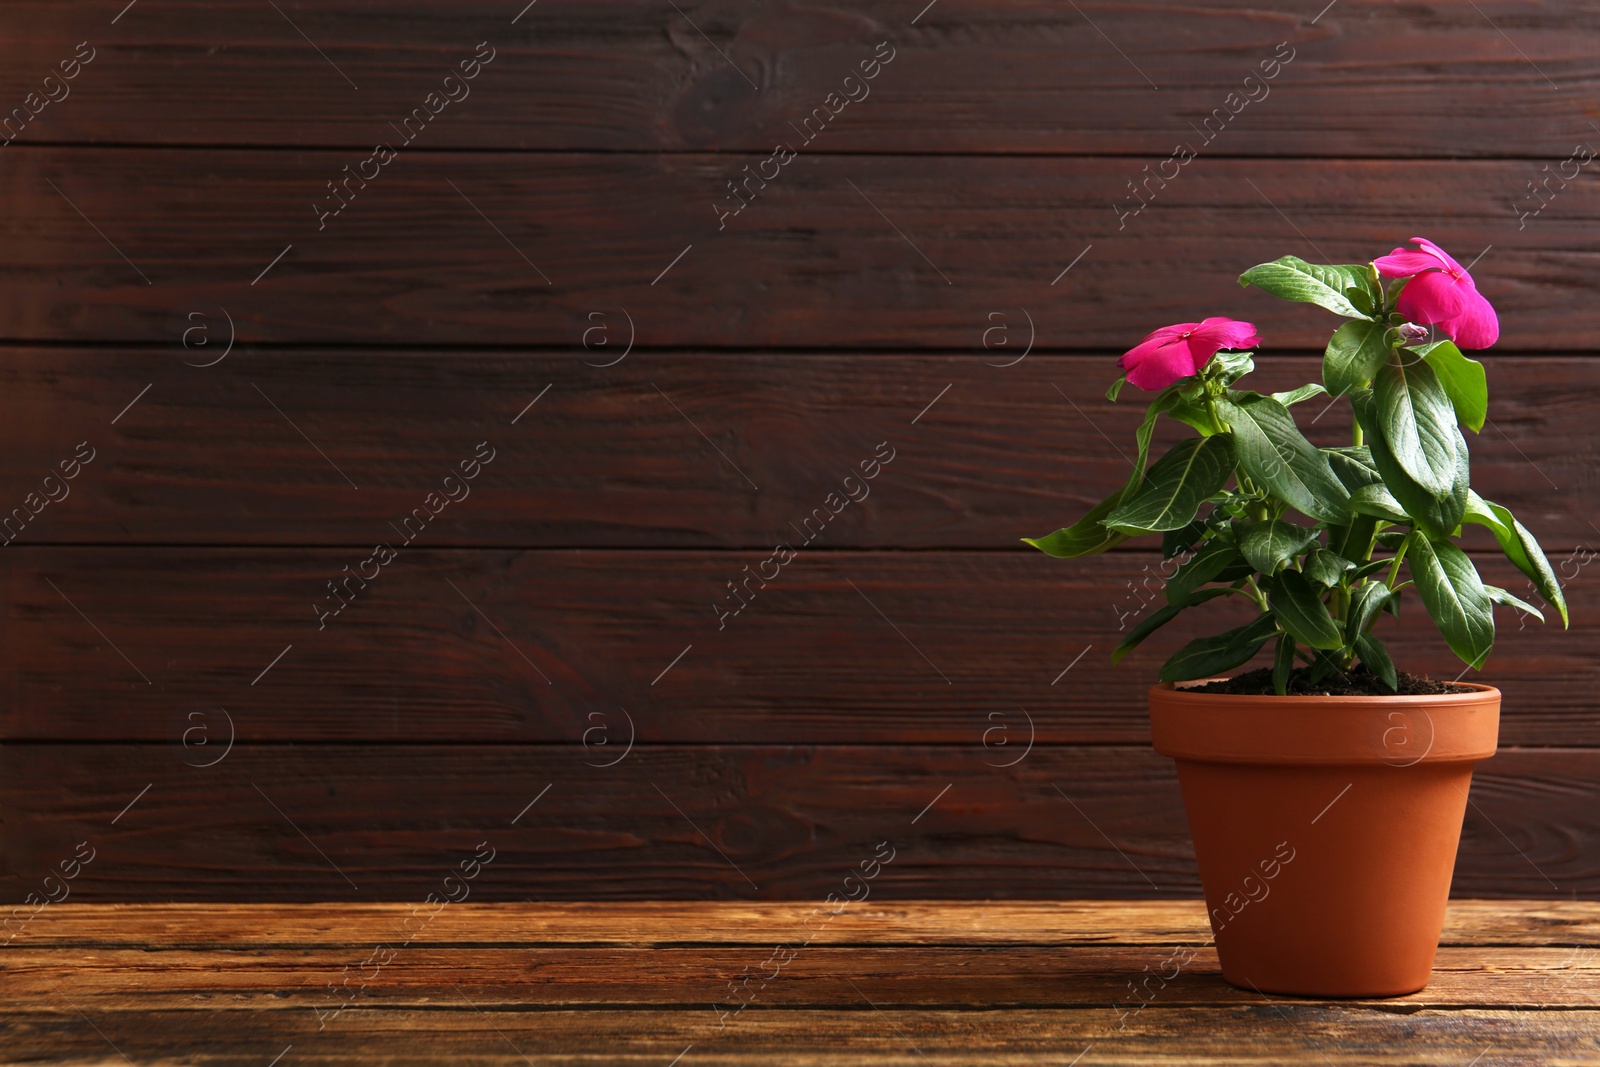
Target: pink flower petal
pixel 1217 333
pixel 1432 297
pixel 1445 257
pixel 1157 362
pixel 1476 327
pixel 1405 262
pixel 1169 333
pixel 1180 350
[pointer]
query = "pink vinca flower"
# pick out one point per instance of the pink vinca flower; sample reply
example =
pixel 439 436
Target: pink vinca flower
pixel 1178 351
pixel 1441 293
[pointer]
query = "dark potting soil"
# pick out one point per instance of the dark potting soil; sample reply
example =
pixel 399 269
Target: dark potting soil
pixel 1359 682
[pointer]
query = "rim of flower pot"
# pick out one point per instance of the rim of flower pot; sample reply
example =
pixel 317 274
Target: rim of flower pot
pixel 1393 729
pixel 1185 690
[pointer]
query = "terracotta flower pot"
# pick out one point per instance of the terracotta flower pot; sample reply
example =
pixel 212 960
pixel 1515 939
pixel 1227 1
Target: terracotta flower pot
pixel 1325 829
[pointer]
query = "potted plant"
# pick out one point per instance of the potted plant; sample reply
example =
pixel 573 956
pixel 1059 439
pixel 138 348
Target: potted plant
pixel 1325 793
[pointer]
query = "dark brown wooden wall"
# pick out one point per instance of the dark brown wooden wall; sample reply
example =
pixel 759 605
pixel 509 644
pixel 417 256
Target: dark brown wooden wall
pixel 252 395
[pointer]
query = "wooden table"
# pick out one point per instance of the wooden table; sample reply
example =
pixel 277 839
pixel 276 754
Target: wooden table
pixel 661 983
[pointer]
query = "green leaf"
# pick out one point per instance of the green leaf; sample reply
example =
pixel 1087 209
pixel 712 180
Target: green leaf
pixel 1353 356
pixel 1320 667
pixel 1214 561
pixel 1463 380
pixel 1283 665
pixel 1292 278
pixel 1174 542
pixel 1377 501
pixel 1294 396
pixel 1372 566
pixel 1366 602
pixel 1195 414
pixel 1353 541
pixel 1206 656
pixel 1362 299
pixel 1522 549
pixel 1270 545
pixel 1392 605
pixel 1480 511
pixel 1164 401
pixel 1417 423
pixel 1435 517
pixel 1231 366
pixel 1176 486
pixel 1299 607
pixel 1454 596
pixel 1086 537
pixel 1326 567
pixel 1377 660
pixel 1116 388
pixel 1274 452
pixel 1353 466
pixel 1511 600
pixel 1157 619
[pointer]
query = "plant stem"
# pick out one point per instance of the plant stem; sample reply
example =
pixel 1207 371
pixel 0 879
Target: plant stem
pixel 1258 508
pixel 1394 570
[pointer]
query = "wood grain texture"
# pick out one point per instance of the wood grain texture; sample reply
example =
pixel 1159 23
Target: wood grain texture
pixel 218 985
pixel 660 923
pixel 167 692
pixel 498 645
pixel 614 457
pixel 502 979
pixel 838 252
pixel 363 823
pixel 1010 77
pixel 1258 1034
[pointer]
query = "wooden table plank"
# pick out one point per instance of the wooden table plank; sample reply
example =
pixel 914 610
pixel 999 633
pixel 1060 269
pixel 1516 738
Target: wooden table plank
pixel 660 923
pixel 281 822
pixel 811 264
pixel 929 981
pixel 1265 1033
pixel 967 76
pixel 422 975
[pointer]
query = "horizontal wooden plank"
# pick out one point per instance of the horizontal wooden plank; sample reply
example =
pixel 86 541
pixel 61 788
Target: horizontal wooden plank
pixel 512 979
pixel 656 923
pixel 837 251
pixel 660 923
pixel 1265 1033
pixel 352 823
pixel 1041 975
pixel 964 76
pixel 614 457
pixel 980 650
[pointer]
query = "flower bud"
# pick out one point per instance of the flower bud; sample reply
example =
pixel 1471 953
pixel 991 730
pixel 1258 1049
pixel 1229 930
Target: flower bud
pixel 1410 333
